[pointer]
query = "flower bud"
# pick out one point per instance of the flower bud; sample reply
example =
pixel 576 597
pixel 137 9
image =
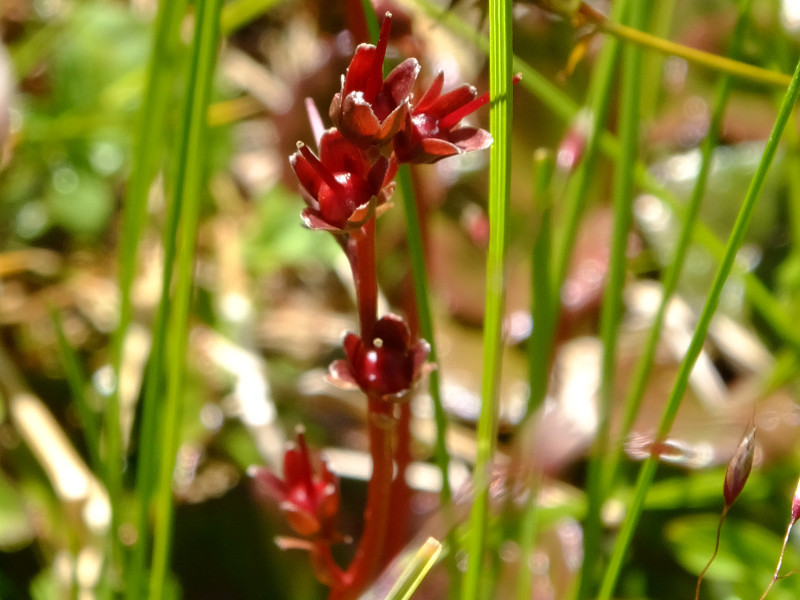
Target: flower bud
pixel 796 504
pixel 739 468
pixel 308 500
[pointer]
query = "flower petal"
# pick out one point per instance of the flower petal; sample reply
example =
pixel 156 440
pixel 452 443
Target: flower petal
pixel 399 82
pixel 392 124
pixel 434 149
pixel 452 100
pixel 268 483
pixel 341 156
pixel 305 173
pixel 313 220
pixel 469 139
pixel 393 332
pixel 432 93
pixel 360 69
pixel 340 375
pixel 357 120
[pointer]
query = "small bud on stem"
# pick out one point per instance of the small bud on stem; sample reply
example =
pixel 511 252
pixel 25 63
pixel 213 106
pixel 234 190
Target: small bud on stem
pixel 795 514
pixel 735 477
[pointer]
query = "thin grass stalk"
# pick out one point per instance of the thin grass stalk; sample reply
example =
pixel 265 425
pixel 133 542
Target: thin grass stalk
pixel 77 382
pixel 147 158
pixel 600 92
pixel 500 76
pixel 660 25
pixel 544 304
pixel 188 193
pixel 416 252
pixel 578 193
pixel 612 307
pixel 527 540
pixel 645 363
pixel 532 80
pixel 767 306
pixel 373 26
pixel 723 64
pixel 647 472
pixel 564 107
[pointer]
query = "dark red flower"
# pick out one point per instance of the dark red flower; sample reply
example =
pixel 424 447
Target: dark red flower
pixel 431 131
pixel 385 367
pixel 342 188
pixel 370 109
pixel 309 501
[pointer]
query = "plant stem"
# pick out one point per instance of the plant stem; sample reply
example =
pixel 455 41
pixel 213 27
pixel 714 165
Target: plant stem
pixel 777 573
pixel 361 252
pixel 612 308
pixel 722 64
pixel 544 303
pixel 145 161
pixel 714 554
pixel 500 77
pixel 367 560
pixel 418 271
pixel 400 494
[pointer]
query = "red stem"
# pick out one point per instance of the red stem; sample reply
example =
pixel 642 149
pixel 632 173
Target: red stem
pixel 368 557
pixel 400 509
pixel 361 252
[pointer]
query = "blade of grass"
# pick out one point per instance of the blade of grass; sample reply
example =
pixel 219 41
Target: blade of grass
pixel 415 571
pixel 77 382
pixel 187 195
pixel 612 307
pixel 566 108
pixel 544 305
pixel 418 270
pixel 441 454
pixel 148 155
pixel 648 469
pixel 238 13
pixel 671 277
pixel 722 64
pixel 600 92
pixel 500 76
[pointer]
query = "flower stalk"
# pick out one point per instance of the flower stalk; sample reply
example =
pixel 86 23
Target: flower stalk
pixel 795 515
pixel 346 186
pixel 736 475
pixel 713 61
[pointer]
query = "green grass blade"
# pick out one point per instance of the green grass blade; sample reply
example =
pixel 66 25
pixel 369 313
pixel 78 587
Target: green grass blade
pixel 238 13
pixel 188 193
pixel 612 307
pixel 147 159
pixel 566 109
pixel 600 93
pixel 671 277
pixel 416 252
pixel 647 472
pixel 500 77
pixel 77 382
pixel 544 305
pixel 415 571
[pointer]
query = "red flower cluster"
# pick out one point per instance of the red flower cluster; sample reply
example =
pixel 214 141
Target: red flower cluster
pixel 309 501
pixel 375 116
pixel 385 367
pixel 346 184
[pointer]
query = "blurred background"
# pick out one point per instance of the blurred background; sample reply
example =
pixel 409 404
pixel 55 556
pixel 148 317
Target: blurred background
pixel 272 300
